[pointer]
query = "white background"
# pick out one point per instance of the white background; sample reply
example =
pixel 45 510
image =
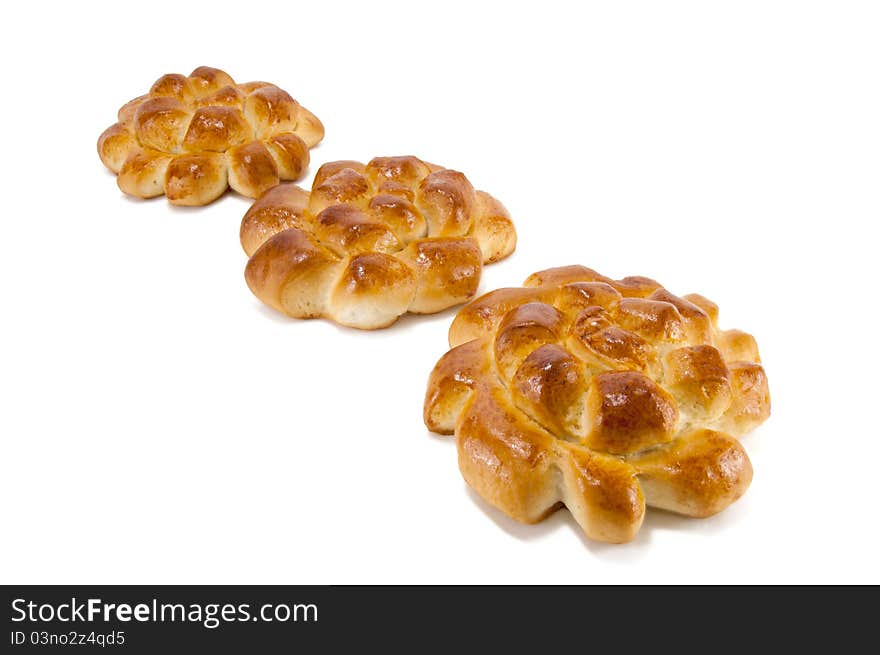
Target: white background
pixel 160 426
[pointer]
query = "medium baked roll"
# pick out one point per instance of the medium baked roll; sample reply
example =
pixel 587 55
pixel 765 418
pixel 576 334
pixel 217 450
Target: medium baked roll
pixel 373 241
pixel 192 137
pixel 600 395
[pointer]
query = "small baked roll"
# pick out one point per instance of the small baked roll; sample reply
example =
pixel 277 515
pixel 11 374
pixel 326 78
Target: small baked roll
pixel 192 137
pixel 395 235
pixel 605 396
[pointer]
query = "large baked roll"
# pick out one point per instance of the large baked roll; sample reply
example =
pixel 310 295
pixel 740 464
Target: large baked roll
pixel 600 395
pixel 192 137
pixel 373 241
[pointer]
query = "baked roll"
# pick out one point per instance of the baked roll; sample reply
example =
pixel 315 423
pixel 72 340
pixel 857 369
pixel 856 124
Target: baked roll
pixel 192 137
pixel 373 241
pixel 600 395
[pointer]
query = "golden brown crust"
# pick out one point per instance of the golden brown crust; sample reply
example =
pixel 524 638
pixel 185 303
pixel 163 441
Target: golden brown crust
pixel 114 146
pixel 600 395
pixel 550 386
pixel 180 126
pixel 252 169
pixel 195 179
pixel 291 155
pixel 483 314
pixel 630 412
pixel 603 494
pixel 492 228
pixel 215 129
pixel 433 230
pixel 278 209
pixel 605 346
pixel 447 199
pixel 282 281
pixel 699 475
pixel 451 381
pixel 505 457
pixel 143 173
pixel 346 229
pixel 448 271
pixel 750 403
pixel 374 289
pixel 699 377
pixel 522 330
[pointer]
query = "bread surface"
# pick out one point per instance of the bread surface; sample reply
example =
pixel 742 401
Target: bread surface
pixel 605 396
pixel 373 241
pixel 192 137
